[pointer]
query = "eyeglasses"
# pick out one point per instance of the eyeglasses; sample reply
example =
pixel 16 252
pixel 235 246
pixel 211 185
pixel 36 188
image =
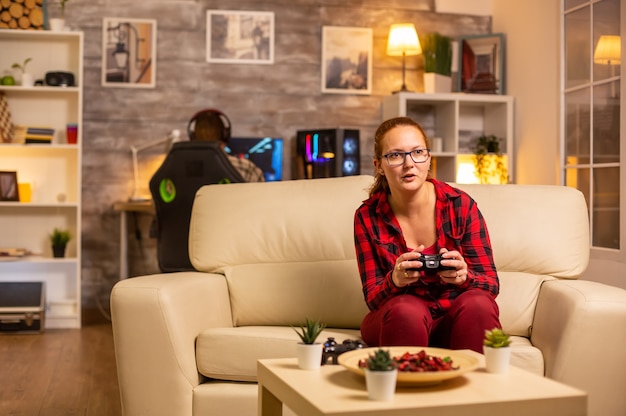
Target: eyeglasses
pixel 398 158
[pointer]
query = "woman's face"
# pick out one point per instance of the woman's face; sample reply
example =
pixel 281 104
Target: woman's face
pixel 409 175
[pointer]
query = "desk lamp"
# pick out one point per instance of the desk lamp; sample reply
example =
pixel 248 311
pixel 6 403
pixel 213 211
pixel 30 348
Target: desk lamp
pixel 169 140
pixel 403 41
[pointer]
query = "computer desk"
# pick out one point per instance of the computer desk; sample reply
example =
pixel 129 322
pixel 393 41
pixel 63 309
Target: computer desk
pixel 124 208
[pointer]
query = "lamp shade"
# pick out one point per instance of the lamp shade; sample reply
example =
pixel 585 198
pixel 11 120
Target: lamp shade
pixel 608 50
pixel 403 40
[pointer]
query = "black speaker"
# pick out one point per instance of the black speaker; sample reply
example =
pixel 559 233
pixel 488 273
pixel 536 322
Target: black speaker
pixel 59 79
pixel 325 153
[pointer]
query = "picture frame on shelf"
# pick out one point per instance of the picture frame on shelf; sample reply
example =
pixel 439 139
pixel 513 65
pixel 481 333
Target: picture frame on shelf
pixel 346 60
pixel 239 37
pixel 129 52
pixel 481 64
pixel 8 186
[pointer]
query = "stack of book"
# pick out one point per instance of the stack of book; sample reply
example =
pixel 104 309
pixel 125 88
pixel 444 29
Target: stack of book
pixel 39 135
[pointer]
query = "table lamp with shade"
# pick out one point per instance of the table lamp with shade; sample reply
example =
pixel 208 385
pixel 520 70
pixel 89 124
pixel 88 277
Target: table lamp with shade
pixel 608 51
pixel 403 41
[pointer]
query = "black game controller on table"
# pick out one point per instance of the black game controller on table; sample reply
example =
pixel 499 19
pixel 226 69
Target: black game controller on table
pixel 332 350
pixel 431 264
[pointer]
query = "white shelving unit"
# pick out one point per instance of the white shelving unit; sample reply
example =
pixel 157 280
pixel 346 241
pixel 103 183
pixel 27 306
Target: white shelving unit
pixel 459 119
pixel 53 170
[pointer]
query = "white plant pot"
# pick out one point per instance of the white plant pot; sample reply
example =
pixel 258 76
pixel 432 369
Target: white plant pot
pixel 28 80
pixel 497 360
pixel 437 83
pixel 309 356
pixel 57 24
pixel 381 385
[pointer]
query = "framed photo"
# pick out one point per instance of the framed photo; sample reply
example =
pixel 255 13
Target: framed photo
pixel 8 186
pixel 481 64
pixel 128 52
pixel 240 37
pixel 346 60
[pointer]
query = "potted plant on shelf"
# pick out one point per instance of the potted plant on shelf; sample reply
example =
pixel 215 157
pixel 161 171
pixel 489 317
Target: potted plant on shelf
pixel 309 352
pixel 59 239
pixel 57 24
pixel 489 161
pixel 497 351
pixel 381 373
pixel 437 51
pixel 27 79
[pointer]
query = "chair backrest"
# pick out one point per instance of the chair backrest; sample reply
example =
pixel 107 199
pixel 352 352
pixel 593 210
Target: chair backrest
pixel 187 167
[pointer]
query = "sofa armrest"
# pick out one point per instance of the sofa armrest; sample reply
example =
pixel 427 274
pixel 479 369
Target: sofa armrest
pixel 156 320
pixel 580 327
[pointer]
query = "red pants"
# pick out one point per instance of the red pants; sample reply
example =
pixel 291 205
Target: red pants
pixel 405 320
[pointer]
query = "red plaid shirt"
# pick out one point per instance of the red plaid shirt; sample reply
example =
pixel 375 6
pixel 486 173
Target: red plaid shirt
pixel 379 241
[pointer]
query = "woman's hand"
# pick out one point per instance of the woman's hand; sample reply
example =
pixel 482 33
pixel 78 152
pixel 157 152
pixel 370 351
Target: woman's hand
pixel 453 259
pixel 401 274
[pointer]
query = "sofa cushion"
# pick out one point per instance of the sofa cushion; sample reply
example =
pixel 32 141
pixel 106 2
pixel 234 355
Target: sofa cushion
pixel 328 291
pixel 232 353
pixel 517 301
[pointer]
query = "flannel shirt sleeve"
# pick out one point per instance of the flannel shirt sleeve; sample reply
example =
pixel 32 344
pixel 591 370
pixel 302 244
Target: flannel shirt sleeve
pixel 477 252
pixel 377 287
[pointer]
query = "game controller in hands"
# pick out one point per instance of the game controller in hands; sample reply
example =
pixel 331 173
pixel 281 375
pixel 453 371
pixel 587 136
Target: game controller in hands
pixel 431 263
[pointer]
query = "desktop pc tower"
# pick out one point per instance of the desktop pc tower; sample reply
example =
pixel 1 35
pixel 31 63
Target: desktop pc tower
pixel 325 153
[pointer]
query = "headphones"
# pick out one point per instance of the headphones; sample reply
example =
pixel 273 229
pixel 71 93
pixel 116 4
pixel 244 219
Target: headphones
pixel 191 127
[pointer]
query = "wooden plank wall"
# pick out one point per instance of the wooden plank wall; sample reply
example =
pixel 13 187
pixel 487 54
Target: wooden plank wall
pixel 274 100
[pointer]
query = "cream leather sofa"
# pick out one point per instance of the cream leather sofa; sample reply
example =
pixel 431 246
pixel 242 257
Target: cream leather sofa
pixel 272 254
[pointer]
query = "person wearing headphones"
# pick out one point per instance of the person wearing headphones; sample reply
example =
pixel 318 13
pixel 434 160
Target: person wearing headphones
pixel 213 125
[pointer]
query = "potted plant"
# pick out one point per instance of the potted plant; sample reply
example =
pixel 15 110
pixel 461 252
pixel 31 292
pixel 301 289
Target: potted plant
pixel 381 373
pixel 488 160
pixel 437 51
pixel 309 352
pixel 497 351
pixel 59 239
pixel 57 24
pixel 27 79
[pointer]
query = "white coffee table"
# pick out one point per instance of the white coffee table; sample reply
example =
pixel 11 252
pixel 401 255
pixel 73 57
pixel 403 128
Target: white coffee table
pixel 333 390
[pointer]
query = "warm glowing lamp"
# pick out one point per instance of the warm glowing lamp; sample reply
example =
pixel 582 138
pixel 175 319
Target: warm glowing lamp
pixel 608 50
pixel 403 41
pixel 168 141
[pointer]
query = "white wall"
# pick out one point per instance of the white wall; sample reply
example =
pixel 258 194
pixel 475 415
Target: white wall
pixel 475 7
pixel 531 28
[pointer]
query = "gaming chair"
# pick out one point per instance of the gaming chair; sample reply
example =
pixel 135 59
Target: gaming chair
pixel 187 167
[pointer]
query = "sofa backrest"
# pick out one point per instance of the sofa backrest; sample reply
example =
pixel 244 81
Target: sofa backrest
pixel 287 248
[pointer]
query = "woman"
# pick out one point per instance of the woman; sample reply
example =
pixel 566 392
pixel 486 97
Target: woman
pixel 409 214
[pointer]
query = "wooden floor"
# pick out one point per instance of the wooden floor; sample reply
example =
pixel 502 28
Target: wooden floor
pixel 59 372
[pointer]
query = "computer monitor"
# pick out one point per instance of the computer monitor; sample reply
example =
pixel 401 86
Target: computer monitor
pixel 265 152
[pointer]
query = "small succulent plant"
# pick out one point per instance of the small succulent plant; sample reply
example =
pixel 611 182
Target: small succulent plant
pixel 309 332
pixel 60 237
pixel 380 360
pixel 496 338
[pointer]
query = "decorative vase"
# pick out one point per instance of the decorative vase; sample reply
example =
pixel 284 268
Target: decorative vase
pixel 27 80
pixel 381 385
pixel 309 356
pixel 57 24
pixel 437 83
pixel 58 251
pixel 497 360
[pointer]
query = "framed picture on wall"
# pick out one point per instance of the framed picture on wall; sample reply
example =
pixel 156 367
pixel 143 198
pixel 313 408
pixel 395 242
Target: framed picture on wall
pixel 481 64
pixel 129 52
pixel 8 186
pixel 346 60
pixel 240 37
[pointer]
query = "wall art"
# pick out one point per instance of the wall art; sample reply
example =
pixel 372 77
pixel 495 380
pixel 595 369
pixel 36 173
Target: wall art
pixel 129 52
pixel 481 64
pixel 346 60
pixel 241 37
